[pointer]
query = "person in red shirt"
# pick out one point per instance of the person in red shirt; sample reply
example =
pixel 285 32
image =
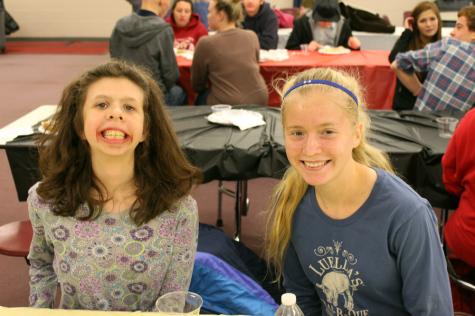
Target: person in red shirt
pixel 186 25
pixel 458 166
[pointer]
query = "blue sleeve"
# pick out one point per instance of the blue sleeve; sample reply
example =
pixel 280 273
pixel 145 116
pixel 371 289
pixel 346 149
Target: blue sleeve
pixel 420 60
pixel 295 281
pixel 421 262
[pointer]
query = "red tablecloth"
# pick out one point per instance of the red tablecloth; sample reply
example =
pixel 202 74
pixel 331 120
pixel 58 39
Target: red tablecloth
pixel 372 67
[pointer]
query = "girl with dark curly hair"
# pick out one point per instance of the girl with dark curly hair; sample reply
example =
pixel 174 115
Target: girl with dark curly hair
pixel 113 221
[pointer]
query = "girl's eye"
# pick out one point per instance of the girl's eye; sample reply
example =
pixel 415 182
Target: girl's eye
pixel 296 133
pixel 129 107
pixel 328 132
pixel 101 105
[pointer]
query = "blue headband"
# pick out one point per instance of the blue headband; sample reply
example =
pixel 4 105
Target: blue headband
pixel 324 82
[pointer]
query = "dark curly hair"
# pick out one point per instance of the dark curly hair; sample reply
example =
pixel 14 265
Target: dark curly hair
pixel 162 174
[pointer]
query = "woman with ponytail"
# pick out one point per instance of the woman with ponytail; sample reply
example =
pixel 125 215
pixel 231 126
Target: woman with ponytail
pixel 347 235
pixel 225 68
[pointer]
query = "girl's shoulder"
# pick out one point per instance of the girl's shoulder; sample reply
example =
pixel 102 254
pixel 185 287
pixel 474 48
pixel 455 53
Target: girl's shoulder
pixel 185 206
pixel 392 190
pixel 34 200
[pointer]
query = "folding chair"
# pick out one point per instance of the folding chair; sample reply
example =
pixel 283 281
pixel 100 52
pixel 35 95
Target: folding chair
pixel 15 239
pixel 240 207
pixel 450 268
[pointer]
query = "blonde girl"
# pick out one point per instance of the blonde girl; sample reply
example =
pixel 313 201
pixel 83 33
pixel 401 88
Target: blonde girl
pixel 346 234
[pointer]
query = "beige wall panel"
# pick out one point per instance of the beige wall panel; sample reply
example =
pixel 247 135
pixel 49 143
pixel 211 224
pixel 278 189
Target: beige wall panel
pixel 66 18
pixel 96 18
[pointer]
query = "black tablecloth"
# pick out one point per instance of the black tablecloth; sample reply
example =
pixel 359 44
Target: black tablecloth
pixel 224 152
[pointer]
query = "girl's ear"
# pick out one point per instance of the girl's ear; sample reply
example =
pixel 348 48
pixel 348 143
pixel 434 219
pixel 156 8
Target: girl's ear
pixel 357 135
pixel 221 15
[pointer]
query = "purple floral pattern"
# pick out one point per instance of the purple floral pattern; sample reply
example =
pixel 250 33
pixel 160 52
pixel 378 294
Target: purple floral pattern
pixel 109 263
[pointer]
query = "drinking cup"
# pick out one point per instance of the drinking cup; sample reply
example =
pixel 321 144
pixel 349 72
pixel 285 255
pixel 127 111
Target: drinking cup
pixel 446 126
pixel 179 302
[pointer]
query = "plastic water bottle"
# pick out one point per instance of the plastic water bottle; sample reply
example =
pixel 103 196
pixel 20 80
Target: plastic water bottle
pixel 289 306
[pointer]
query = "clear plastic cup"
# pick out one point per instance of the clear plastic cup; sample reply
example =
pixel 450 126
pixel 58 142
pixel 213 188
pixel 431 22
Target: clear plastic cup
pixel 446 126
pixel 220 107
pixel 304 48
pixel 179 302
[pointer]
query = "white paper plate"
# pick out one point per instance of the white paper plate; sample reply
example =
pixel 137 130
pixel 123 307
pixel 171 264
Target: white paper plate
pixel 243 119
pixel 329 50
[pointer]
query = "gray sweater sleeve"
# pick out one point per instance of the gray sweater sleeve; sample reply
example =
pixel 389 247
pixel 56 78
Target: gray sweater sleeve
pixel 168 65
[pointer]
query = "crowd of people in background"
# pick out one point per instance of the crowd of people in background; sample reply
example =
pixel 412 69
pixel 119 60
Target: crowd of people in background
pixel 415 56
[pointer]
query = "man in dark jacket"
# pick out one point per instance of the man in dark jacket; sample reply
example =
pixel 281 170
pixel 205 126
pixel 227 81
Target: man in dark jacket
pixel 260 18
pixel 144 38
pixel 324 25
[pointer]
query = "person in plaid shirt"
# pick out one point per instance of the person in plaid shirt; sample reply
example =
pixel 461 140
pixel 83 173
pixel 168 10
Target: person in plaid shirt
pixel 450 63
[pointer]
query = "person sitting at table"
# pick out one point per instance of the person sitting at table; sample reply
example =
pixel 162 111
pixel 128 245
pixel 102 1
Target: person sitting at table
pixel 145 39
pixel 113 222
pixel 424 26
pixel 260 18
pixel 186 25
pixel 324 25
pixel 458 174
pixel 449 63
pixel 225 68
pixel 348 236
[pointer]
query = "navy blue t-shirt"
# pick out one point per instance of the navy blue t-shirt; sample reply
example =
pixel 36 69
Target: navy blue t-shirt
pixel 385 259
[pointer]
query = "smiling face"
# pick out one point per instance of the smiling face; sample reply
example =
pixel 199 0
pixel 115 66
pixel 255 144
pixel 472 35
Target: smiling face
pixel 427 24
pixel 252 6
pixel 113 117
pixel 182 13
pixel 319 137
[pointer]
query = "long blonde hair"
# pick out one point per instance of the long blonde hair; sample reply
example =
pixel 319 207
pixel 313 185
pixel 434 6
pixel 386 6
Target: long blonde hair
pixel 288 193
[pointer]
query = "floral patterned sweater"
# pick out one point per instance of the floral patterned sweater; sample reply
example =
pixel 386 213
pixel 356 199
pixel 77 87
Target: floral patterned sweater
pixel 109 263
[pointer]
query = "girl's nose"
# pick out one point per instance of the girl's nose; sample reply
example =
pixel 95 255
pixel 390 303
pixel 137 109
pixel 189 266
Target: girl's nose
pixel 116 113
pixel 113 116
pixel 312 145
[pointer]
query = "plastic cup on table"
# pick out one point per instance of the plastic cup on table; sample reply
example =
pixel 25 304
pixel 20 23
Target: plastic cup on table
pixel 304 48
pixel 446 126
pixel 179 302
pixel 220 107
